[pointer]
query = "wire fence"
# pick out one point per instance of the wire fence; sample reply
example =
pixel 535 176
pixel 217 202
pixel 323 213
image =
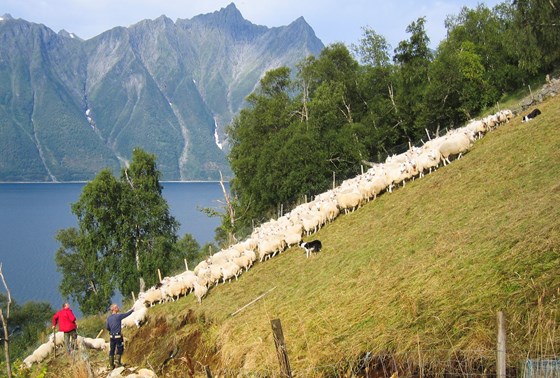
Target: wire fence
pixel 386 366
pixel 542 368
pixel 419 364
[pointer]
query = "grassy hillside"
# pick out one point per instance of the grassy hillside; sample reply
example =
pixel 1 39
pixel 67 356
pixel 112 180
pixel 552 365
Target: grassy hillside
pixel 415 278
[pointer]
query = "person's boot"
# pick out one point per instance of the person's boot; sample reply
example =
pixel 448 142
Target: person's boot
pixel 118 361
pixel 111 362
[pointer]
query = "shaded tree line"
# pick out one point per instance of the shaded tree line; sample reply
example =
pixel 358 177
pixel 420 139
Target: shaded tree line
pixel 301 129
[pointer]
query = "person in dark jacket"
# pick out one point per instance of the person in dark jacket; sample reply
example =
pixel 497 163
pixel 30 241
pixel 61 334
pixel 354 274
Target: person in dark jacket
pixel 67 324
pixel 116 339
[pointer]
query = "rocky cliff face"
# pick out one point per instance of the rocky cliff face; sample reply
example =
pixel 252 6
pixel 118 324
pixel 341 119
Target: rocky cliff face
pixel 70 107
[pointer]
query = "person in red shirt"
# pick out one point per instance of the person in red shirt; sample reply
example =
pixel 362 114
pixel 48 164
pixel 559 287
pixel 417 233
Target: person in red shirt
pixel 67 324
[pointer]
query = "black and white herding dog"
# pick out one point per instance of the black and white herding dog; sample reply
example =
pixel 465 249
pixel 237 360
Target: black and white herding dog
pixel 312 246
pixel 530 116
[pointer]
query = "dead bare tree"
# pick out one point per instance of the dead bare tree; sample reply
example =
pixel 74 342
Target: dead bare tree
pixel 4 319
pixel 230 209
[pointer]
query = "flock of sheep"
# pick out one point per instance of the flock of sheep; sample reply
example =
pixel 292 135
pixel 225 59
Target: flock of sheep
pixel 56 341
pixel 275 236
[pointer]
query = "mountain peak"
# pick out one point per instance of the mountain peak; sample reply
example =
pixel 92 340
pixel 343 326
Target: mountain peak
pixel 6 16
pixel 229 14
pixel 229 19
pixel 301 24
pixel 230 9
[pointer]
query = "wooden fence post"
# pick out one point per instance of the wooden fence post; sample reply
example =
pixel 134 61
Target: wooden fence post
pixel 285 370
pixel 501 357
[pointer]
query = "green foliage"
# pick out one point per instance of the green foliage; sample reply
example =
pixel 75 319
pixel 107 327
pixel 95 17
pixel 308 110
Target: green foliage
pixel 147 231
pixel 490 36
pixel 19 370
pixel 536 24
pixel 457 90
pixel 87 256
pixel 413 58
pixel 188 249
pixel 25 326
pixel 373 49
pixel 125 234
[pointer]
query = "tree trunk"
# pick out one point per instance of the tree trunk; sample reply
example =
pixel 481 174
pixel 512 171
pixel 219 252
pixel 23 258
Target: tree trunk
pixel 230 210
pixel 5 326
pixel 141 282
pixel 6 344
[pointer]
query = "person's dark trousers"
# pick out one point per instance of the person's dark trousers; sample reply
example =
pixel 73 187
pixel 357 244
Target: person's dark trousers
pixel 70 340
pixel 115 345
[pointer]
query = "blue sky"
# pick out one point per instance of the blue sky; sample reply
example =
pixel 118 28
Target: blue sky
pixel 332 20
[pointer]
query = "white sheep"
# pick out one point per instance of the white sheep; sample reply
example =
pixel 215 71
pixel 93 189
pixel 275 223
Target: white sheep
pixel 200 291
pixel 244 262
pixel 251 254
pixel 504 116
pixel 371 186
pixel 151 296
pixel 349 201
pixel 229 271
pixel 39 354
pixel 57 338
pixel 30 360
pixel 491 121
pixel 399 173
pixel 187 277
pixel 250 244
pixel 137 318
pixel 330 208
pixel 478 127
pixel 455 144
pixel 172 291
pixel 98 343
pixel 270 246
pixel 203 265
pixel 232 253
pixel 213 274
pixel 218 258
pixel 427 160
pixel 292 238
pixel 311 222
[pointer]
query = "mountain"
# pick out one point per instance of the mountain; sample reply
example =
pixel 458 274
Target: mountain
pixel 70 107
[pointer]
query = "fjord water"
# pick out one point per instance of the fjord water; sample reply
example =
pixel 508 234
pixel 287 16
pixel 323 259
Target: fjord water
pixel 31 214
